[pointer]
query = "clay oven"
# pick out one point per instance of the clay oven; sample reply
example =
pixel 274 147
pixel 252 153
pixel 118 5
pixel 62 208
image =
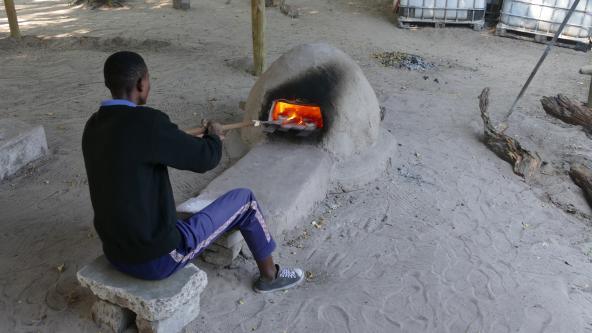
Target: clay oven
pixel 320 75
pixel 313 89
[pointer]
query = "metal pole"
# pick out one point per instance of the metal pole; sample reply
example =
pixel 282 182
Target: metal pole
pixel 258 22
pixel 590 94
pixel 12 20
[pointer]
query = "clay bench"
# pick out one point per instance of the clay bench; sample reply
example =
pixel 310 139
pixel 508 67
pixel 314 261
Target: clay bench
pixel 156 306
pixel 288 179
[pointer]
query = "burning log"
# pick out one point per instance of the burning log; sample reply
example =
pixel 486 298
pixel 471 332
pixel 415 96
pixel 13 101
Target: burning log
pixel 296 115
pixel 582 176
pixel 524 163
pixel 571 112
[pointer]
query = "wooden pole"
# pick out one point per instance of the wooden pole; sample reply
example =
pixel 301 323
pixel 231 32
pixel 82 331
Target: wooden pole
pixel 12 20
pixel 258 22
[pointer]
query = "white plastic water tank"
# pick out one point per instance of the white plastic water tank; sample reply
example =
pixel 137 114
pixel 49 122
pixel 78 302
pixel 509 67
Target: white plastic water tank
pixel 443 9
pixel 545 16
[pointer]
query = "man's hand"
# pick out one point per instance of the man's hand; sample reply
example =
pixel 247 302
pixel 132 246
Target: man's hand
pixel 215 129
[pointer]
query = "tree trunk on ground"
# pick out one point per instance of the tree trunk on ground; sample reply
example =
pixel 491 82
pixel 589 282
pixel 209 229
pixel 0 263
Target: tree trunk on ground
pixel 582 176
pixel 524 163
pixel 569 111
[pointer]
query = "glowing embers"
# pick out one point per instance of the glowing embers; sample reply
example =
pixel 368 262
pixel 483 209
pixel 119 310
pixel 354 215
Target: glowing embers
pixel 296 115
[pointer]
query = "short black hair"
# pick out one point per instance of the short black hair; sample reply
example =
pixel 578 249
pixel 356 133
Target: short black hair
pixel 123 70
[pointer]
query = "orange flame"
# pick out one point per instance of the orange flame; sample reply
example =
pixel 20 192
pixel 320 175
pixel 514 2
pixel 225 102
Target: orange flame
pixel 291 113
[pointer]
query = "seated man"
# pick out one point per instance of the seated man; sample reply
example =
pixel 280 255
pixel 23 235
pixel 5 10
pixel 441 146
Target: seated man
pixel 127 149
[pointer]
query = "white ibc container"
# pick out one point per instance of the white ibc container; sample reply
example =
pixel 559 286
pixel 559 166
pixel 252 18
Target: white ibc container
pixel 440 13
pixel 428 11
pixel 545 19
pixel 534 11
pixel 443 10
pixel 516 13
pixel 545 16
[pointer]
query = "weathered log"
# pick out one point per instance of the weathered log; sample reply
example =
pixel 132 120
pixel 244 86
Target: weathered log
pixel 524 163
pixel 582 176
pixel 569 111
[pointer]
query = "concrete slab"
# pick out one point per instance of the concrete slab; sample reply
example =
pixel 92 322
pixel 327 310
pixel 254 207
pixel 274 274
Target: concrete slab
pixel 20 144
pixel 220 255
pixel 287 179
pixel 224 249
pixel 150 300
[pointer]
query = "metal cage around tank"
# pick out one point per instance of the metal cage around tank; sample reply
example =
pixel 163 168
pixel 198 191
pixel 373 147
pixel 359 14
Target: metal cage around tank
pixel 543 18
pixel 442 12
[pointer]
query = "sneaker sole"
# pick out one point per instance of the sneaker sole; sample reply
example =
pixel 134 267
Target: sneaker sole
pixel 295 284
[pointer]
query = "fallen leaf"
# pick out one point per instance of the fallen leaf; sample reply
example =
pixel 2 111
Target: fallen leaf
pixel 61 268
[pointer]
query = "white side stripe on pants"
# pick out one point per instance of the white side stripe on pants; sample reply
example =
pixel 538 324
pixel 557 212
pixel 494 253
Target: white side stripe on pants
pixel 178 257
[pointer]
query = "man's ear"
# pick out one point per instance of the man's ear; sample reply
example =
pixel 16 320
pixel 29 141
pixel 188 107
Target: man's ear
pixel 139 84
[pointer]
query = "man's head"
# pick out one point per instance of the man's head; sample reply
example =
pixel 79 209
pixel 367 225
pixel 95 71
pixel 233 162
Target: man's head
pixel 126 75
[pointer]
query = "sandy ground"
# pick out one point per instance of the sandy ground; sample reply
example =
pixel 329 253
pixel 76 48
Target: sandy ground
pixel 447 240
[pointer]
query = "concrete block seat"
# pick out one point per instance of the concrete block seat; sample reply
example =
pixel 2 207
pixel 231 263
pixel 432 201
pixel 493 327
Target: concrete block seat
pixel 20 144
pixel 156 306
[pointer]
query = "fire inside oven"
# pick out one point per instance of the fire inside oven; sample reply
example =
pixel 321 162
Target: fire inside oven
pixel 295 115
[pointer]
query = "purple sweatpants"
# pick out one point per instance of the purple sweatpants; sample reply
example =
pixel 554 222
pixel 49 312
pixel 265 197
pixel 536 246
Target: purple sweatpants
pixel 235 209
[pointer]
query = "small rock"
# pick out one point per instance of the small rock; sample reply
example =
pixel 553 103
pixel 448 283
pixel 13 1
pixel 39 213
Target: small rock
pixel 289 10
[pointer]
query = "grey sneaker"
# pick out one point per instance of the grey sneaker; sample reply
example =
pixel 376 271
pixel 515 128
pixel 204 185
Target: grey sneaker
pixel 286 278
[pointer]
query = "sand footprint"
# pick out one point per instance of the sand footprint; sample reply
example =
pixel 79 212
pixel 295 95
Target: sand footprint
pixel 536 319
pixel 336 317
pixel 334 261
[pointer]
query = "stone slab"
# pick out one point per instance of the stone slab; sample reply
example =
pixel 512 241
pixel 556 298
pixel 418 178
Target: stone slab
pixel 288 179
pixel 220 255
pixel 181 4
pixel 151 300
pixel 20 144
pixel 230 239
pixel 112 317
pixel 186 314
pixel 359 170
